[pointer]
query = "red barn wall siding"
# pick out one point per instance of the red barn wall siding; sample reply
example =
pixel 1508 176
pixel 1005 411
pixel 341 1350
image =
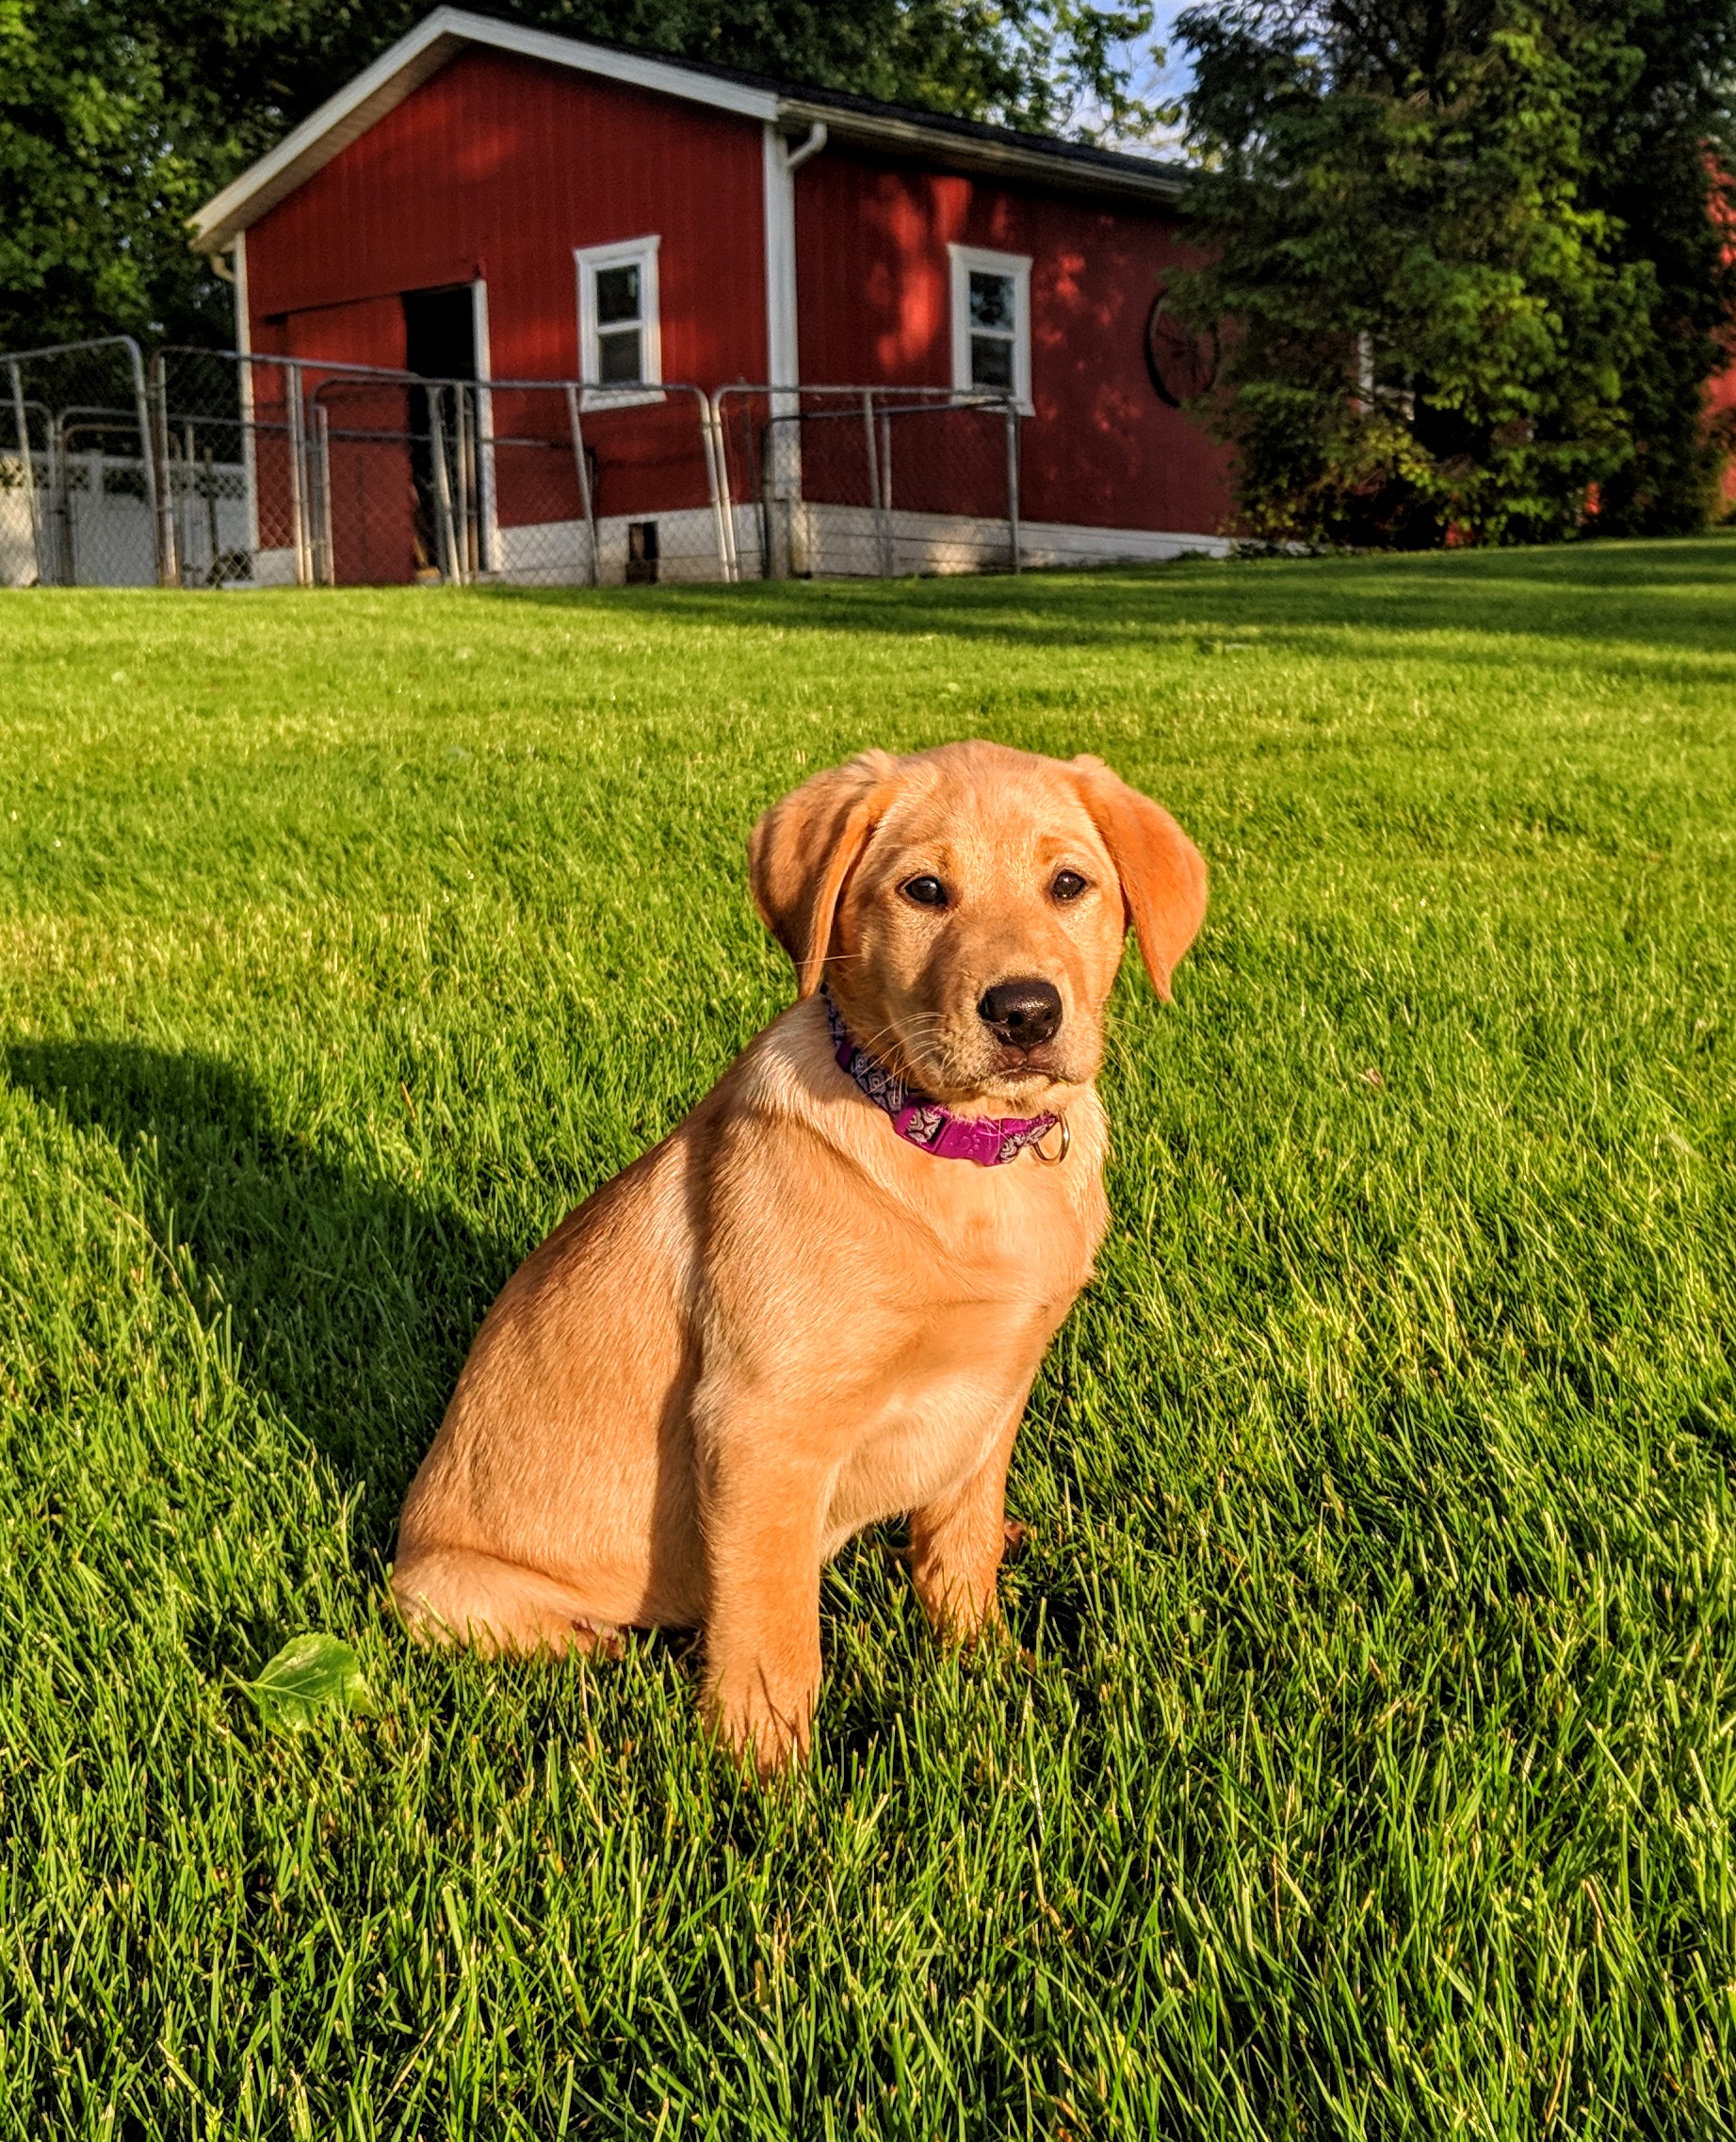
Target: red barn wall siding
pixel 499 166
pixel 873 277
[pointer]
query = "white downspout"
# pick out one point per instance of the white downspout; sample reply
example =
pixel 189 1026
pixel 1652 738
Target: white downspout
pixel 816 141
pixel 783 350
pixel 781 164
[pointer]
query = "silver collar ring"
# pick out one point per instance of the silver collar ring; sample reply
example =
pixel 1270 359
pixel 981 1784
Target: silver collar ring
pixel 1054 1159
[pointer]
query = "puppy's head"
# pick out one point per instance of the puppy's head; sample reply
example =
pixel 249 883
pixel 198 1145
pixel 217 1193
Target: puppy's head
pixel 966 908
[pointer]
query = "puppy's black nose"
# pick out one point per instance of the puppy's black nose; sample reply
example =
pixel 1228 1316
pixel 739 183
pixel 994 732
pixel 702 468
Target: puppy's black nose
pixel 1023 1011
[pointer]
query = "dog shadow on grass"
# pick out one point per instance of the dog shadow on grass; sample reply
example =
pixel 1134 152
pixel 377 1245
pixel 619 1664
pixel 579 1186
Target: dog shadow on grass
pixel 351 1303
pixel 353 1306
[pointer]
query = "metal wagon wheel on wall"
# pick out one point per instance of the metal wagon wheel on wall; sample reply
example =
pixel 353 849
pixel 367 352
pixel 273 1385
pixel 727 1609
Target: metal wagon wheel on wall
pixel 1182 364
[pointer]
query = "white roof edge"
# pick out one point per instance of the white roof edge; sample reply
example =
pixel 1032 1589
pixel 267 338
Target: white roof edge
pixel 421 53
pixel 418 54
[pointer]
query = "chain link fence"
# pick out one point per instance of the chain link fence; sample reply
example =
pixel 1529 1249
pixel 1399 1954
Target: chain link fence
pixel 882 480
pixel 78 500
pixel 352 475
pixel 214 469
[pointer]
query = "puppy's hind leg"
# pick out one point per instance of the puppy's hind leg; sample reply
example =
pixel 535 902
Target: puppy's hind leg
pixel 957 1542
pixel 453 1595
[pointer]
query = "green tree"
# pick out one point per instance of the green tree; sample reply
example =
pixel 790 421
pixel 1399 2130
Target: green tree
pixel 101 161
pixel 1465 253
pixel 118 116
pixel 1659 147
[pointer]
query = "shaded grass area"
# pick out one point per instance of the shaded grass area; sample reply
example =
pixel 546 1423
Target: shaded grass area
pixel 1368 1765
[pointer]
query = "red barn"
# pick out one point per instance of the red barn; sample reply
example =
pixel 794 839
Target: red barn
pixel 502 209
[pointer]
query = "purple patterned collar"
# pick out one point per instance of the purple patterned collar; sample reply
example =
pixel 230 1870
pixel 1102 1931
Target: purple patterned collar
pixel 990 1141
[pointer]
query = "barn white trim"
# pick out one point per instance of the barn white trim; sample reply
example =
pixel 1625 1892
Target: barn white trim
pixel 439 38
pixel 417 57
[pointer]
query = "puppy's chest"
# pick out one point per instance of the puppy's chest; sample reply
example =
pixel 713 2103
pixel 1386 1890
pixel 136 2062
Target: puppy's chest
pixel 954 1376
pixel 1024 1251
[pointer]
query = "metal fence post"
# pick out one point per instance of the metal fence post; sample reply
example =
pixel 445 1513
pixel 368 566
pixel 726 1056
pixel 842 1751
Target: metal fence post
pixel 488 502
pixel 713 486
pixel 26 461
pixel 249 446
pixel 1013 530
pixel 790 557
pixel 582 469
pixel 883 534
pixel 777 550
pixel 162 539
pixel 888 538
pixel 187 486
pixel 60 488
pixel 170 561
pixel 464 445
pixel 324 553
pixel 293 383
pixel 712 418
pixel 450 561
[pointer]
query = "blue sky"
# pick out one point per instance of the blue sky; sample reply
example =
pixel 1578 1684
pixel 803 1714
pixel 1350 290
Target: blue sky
pixel 1175 75
pixel 1165 83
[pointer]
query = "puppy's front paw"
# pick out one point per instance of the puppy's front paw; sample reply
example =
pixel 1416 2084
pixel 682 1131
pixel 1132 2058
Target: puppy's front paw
pixel 765 1733
pixel 962 1606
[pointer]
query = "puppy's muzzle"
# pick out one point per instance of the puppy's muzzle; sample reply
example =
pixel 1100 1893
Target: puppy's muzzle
pixel 1023 1013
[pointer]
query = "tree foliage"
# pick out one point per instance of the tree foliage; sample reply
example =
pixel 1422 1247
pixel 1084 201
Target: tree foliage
pixel 1470 259
pixel 118 116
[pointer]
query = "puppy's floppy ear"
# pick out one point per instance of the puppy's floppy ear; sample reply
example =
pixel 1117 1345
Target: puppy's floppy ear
pixel 803 850
pixel 1162 874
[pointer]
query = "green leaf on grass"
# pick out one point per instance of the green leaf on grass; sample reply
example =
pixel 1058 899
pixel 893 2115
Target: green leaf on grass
pixel 311 1673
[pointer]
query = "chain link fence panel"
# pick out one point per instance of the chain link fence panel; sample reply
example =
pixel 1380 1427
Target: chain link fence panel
pixel 226 437
pixel 878 480
pixel 78 497
pixel 350 476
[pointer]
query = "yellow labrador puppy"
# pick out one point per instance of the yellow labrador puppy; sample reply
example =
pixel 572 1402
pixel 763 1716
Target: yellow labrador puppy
pixel 823 1299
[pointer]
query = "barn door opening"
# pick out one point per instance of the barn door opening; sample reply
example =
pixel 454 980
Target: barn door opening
pixel 440 343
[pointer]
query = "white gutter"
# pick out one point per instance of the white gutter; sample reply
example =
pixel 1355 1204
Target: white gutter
pixel 972 152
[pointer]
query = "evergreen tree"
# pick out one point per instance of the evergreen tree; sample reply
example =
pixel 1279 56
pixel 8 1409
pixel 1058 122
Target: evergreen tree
pixel 1467 255
pixel 118 116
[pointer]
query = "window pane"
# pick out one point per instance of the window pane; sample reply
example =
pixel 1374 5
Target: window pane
pixel 991 301
pixel 618 357
pixel 617 293
pixel 991 361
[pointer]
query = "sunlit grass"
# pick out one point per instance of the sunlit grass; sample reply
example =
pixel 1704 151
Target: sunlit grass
pixel 1370 1764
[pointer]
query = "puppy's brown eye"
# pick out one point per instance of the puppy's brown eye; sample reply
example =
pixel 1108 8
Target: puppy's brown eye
pixel 1068 885
pixel 926 892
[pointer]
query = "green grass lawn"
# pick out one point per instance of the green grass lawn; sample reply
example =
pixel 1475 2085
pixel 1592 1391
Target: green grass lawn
pixel 1370 1764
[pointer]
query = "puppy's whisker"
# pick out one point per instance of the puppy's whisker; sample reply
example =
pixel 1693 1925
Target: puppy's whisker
pixel 888 1039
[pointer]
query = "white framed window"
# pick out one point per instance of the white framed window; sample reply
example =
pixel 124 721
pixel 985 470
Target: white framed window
pixel 991 322
pixel 620 334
